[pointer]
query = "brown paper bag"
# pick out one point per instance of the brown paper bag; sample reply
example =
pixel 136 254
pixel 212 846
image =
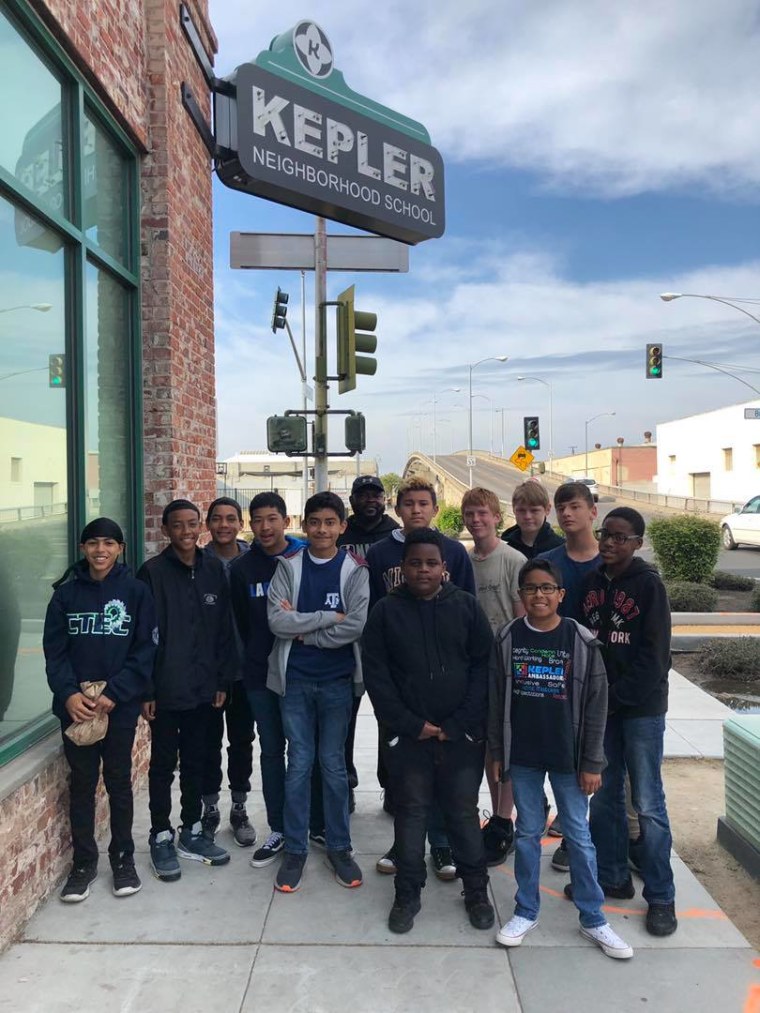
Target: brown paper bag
pixel 87 733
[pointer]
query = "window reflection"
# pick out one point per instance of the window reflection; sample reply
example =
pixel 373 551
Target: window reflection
pixel 105 190
pixel 33 456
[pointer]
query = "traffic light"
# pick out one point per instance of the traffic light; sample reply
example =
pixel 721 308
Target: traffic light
pixel 354 335
pixel 654 362
pixel 286 434
pixel 57 370
pixel 532 435
pixel 279 311
pixel 356 439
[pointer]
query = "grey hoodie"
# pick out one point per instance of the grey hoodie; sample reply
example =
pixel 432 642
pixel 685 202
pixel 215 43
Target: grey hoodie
pixel 318 629
pixel 588 697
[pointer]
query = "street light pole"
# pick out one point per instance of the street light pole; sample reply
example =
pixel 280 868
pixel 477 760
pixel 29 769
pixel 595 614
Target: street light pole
pixel 588 421
pixel 500 411
pixel 551 410
pixel 733 303
pixel 474 365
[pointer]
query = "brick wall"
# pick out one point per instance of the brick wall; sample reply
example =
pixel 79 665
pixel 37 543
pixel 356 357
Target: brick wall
pixel 35 843
pixel 135 55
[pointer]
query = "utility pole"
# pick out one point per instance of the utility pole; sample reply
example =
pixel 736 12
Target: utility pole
pixel 321 480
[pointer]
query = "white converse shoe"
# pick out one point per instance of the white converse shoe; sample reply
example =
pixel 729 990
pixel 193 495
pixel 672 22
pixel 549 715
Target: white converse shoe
pixel 608 941
pixel 516 929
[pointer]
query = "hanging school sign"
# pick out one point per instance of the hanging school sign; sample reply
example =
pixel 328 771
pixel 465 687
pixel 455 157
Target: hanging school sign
pixel 290 130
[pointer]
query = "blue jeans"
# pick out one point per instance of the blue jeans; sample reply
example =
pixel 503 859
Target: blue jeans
pixel 635 745
pixel 265 707
pixel 572 805
pixel 310 708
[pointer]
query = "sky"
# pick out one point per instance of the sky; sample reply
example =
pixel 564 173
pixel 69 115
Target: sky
pixel 596 155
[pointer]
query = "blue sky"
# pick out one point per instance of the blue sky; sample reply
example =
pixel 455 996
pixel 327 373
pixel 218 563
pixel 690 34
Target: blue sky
pixel 596 155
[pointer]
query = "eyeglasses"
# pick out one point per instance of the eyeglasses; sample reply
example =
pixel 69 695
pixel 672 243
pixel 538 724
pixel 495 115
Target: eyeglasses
pixel 615 536
pixel 533 589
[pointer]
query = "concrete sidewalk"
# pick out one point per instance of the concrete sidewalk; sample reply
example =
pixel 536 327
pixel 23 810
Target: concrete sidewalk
pixel 222 939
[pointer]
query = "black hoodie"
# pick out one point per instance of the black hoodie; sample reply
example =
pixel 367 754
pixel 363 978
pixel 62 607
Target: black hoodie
pixel 358 539
pixel 101 629
pixel 196 650
pixel 546 538
pixel 630 615
pixel 428 661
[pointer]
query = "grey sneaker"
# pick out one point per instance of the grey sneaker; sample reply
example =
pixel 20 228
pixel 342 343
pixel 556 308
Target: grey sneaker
pixel 268 852
pixel 210 820
pixel 561 858
pixel 242 828
pixel 196 846
pixel 347 872
pixel 77 886
pixel 163 856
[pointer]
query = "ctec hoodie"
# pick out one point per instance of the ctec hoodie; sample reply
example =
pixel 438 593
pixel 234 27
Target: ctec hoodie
pixel 546 538
pixel 427 660
pixel 196 650
pixel 101 629
pixel 384 562
pixel 250 577
pixel 316 629
pixel 630 615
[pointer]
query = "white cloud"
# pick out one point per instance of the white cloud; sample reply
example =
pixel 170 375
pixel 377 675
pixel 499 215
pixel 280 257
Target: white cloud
pixel 611 98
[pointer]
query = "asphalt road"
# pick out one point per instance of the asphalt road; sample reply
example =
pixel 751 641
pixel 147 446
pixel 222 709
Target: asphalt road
pixel 502 479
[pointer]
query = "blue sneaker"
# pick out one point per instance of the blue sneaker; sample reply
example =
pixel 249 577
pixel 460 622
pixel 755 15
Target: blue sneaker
pixel 163 857
pixel 194 844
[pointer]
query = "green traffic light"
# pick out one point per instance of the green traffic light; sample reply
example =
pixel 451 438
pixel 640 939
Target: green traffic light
pixel 532 443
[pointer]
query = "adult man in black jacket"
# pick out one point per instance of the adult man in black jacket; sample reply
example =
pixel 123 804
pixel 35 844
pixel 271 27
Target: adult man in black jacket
pixel 369 522
pixel 425 652
pixel 195 663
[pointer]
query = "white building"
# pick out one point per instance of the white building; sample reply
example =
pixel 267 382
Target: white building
pixel 714 455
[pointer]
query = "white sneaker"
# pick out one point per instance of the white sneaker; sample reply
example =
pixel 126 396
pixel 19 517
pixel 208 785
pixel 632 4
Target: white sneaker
pixel 516 929
pixel 608 941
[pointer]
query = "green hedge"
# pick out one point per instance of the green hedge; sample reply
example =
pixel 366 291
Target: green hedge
pixel 689 597
pixel 686 547
pixel 736 658
pixel 723 581
pixel 449 520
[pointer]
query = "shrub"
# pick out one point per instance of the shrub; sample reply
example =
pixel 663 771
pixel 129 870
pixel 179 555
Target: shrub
pixel 449 520
pixel 689 597
pixel 686 546
pixel 723 581
pixel 754 602
pixel 737 658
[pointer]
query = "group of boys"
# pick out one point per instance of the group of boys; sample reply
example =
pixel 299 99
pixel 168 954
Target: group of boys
pixel 481 660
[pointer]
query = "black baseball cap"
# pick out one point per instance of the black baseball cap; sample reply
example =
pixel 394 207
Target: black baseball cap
pixel 367 482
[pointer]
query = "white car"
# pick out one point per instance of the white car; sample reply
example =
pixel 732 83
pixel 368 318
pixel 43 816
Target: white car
pixel 742 526
pixel 593 488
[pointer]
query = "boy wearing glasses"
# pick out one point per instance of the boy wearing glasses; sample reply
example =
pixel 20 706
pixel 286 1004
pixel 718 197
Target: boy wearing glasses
pixel 626 606
pixel 547 712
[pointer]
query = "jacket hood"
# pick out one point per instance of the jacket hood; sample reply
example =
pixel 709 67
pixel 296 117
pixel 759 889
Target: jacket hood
pixel 402 591
pixel 636 568
pixel 81 572
pixel 294 545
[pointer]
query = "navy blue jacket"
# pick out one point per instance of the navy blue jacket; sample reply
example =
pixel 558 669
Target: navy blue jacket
pixel 250 576
pixel 384 562
pixel 196 649
pixel 101 629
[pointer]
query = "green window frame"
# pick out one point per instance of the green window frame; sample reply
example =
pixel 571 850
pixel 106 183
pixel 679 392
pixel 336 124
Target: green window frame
pixel 80 101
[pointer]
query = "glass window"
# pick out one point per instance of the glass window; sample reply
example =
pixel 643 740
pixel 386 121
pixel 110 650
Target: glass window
pixel 33 444
pixel 31 141
pixel 107 398
pixel 105 191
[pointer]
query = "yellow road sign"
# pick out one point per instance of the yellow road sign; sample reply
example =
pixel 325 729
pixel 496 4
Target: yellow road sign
pixel 522 458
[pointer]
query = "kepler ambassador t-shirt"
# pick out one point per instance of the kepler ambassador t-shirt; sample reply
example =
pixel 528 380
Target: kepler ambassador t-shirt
pixel 541 713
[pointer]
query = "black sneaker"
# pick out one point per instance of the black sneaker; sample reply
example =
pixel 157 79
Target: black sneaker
pixel 268 852
pixel 498 839
pixel 125 878
pixel 318 837
pixel 479 908
pixel 77 886
pixel 387 864
pixel 443 864
pixel 242 828
pixel 163 856
pixel 210 820
pixel 347 872
pixel 290 873
pixel 623 892
pixel 555 828
pixel 661 919
pixel 401 918
pixel 198 847
pixel 561 859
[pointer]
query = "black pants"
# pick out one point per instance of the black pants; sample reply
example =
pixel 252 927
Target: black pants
pixel 448 773
pixel 177 735
pixel 240 735
pixel 353 777
pixel 115 752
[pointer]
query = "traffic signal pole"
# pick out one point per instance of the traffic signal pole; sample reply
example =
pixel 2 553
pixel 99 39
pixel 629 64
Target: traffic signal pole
pixel 321 405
